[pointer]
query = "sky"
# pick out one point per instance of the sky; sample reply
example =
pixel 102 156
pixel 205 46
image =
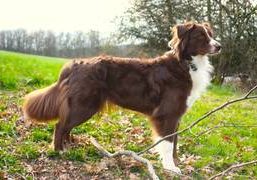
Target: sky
pixel 61 15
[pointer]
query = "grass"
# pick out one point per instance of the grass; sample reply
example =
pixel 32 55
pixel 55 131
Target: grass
pixel 25 148
pixel 28 70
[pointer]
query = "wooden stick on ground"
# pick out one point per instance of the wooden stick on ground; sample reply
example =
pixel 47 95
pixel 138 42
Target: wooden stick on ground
pixel 233 167
pixel 126 153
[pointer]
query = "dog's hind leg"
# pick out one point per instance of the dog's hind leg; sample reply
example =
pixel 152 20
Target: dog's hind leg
pixel 59 127
pixel 78 116
pixel 58 137
pixel 79 112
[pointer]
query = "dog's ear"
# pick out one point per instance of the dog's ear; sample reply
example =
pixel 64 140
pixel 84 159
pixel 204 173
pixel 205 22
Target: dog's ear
pixel 178 32
pixel 181 30
pixel 208 27
pixel 206 24
pixel 180 38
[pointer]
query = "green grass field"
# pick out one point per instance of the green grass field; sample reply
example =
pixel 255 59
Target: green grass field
pixel 25 151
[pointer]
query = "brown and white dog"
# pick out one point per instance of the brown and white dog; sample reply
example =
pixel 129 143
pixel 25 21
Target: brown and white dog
pixel 162 88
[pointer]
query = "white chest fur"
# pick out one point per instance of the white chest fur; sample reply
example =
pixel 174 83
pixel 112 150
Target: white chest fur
pixel 201 77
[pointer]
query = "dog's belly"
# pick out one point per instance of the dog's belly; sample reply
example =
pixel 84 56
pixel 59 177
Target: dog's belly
pixel 137 102
pixel 133 96
pixel 131 90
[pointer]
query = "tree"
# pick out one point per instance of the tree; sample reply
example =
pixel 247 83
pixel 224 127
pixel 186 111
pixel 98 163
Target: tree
pixel 19 37
pixel 2 40
pixel 49 44
pixel 38 42
pixel 94 42
pixel 9 40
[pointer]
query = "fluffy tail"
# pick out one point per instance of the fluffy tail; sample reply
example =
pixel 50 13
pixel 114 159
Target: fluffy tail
pixel 44 104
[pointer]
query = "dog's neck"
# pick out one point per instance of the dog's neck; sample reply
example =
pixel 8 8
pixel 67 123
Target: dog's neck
pixel 201 77
pixel 197 62
pixel 194 63
pixel 192 66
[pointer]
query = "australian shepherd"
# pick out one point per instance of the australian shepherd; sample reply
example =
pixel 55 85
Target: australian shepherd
pixel 161 88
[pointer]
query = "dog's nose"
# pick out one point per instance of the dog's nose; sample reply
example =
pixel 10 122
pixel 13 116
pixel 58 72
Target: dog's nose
pixel 218 47
pixel 215 44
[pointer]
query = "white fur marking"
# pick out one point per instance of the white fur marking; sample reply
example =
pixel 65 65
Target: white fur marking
pixel 201 77
pixel 165 150
pixel 212 42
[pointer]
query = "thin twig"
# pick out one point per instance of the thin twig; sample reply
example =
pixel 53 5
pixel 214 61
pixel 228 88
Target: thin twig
pixel 223 126
pixel 250 91
pixel 233 167
pixel 126 153
pixel 245 97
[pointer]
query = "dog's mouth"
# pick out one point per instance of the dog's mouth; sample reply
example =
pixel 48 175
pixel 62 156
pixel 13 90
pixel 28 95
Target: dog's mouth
pixel 215 48
pixel 214 53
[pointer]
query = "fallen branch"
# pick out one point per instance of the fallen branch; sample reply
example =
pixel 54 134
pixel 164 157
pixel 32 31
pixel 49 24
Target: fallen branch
pixel 233 167
pixel 126 153
pixel 245 97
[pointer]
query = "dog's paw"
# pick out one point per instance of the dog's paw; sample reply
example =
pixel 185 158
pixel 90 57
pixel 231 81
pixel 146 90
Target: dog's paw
pixel 51 146
pixel 66 146
pixel 60 150
pixel 173 169
pixel 153 151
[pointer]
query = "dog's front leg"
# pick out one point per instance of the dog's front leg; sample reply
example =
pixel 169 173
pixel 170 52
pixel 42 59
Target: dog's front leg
pixel 175 150
pixel 166 150
pixel 165 120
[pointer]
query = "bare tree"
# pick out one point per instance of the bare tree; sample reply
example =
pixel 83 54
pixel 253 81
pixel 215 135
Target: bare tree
pixel 49 44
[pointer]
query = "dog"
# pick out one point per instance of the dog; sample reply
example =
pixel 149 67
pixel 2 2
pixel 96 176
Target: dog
pixel 162 88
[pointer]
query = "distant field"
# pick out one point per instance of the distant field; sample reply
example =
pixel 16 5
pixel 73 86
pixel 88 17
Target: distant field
pixel 25 151
pixel 19 70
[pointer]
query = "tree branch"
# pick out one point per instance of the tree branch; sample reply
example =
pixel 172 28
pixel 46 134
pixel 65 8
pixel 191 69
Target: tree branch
pixel 250 91
pixel 126 153
pixel 233 167
pixel 245 97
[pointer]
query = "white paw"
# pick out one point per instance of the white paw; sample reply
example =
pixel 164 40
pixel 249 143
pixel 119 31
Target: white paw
pixel 173 169
pixel 153 151
pixel 51 146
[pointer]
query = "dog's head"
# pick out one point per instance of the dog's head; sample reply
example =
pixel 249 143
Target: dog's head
pixel 192 39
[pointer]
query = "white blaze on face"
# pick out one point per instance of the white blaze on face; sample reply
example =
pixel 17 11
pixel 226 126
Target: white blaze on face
pixel 165 150
pixel 212 42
